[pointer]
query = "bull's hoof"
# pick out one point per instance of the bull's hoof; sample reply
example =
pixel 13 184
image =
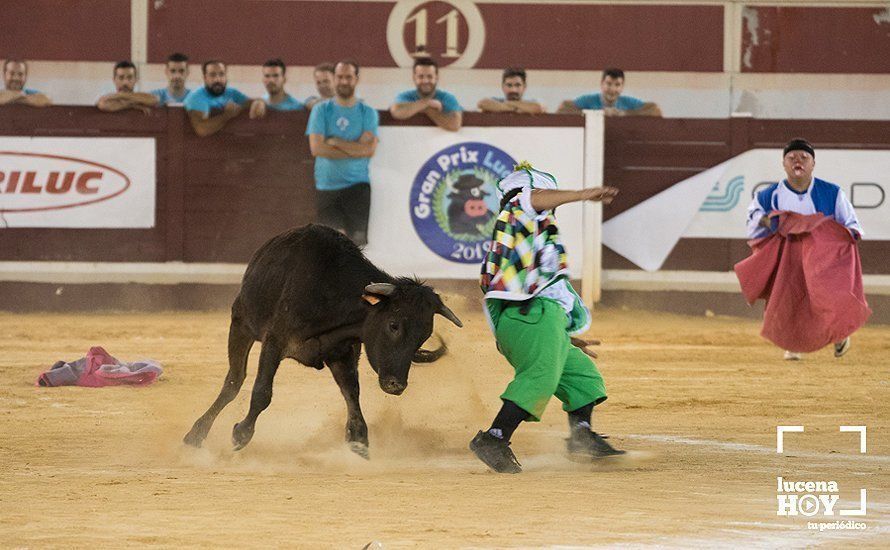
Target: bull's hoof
pixel 241 436
pixel 194 438
pixel 359 448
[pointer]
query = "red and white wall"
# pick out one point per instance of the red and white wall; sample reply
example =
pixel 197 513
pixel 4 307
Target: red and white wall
pixel 697 59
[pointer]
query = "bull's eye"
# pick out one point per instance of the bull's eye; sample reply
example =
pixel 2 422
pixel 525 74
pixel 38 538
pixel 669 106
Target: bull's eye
pixel 474 192
pixel 393 327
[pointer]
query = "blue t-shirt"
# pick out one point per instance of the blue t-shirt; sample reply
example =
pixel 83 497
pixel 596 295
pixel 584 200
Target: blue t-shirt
pixel 449 102
pixel 289 104
pixel 164 97
pixel 201 100
pixel 29 91
pixel 595 101
pixel 331 119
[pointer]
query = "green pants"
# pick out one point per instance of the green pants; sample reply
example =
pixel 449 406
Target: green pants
pixel 546 362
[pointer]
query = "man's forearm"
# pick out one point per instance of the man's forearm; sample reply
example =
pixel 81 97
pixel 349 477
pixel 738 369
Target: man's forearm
pixel 354 148
pixel 447 121
pixel 329 152
pixel 491 106
pixel 8 96
pixel 401 111
pixel 548 199
pixel 649 109
pixel 208 126
pixel 527 107
pixel 568 107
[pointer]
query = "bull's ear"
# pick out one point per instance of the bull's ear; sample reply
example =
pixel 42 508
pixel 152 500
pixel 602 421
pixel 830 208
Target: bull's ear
pixel 371 299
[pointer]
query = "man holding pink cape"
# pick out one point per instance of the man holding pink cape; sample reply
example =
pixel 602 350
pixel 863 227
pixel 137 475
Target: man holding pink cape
pixel 805 262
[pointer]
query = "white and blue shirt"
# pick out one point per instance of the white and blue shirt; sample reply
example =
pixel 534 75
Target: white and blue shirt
pixel 820 197
pixel 330 119
pixel 595 101
pixel 202 100
pixel 448 101
pixel 165 98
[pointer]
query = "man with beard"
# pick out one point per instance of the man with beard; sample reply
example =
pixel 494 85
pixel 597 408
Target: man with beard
pixel 213 105
pixel 273 79
pixel 15 74
pixel 343 137
pixel 513 86
pixel 177 72
pixel 610 100
pixel 440 106
pixel 324 83
pixel 126 97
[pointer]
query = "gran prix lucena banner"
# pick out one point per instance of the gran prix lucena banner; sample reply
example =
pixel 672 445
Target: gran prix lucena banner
pixel 77 182
pixel 433 198
pixel 714 203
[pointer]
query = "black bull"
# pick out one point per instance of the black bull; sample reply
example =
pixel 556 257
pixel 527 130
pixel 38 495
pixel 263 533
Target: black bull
pixel 310 294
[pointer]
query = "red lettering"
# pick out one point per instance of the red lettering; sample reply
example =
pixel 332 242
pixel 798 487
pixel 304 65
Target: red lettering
pixel 2 177
pixel 28 186
pixel 54 187
pixel 13 182
pixel 84 179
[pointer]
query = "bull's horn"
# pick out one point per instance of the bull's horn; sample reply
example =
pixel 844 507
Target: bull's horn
pixel 381 289
pixel 448 314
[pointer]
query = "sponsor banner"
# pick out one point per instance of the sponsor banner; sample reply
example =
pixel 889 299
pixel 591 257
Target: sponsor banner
pixel 433 197
pixel 714 203
pixel 77 182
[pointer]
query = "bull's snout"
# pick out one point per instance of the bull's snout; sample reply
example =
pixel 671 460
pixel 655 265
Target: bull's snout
pixel 392 386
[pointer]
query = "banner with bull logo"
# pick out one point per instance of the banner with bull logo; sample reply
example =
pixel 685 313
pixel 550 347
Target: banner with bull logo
pixel 433 196
pixel 714 203
pixel 77 182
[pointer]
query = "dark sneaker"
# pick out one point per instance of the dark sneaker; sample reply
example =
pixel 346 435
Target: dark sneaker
pixel 842 347
pixel 496 453
pixel 584 443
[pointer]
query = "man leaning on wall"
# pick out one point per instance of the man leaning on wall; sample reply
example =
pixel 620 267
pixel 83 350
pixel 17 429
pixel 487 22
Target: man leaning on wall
pixel 215 103
pixel 610 99
pixel 438 105
pixel 513 83
pixel 177 72
pixel 125 77
pixel 15 75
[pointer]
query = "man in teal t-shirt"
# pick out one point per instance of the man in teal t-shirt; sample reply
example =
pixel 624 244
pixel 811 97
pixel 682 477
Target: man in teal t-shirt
pixel 177 72
pixel 343 137
pixel 274 78
pixel 610 100
pixel 214 104
pixel 439 106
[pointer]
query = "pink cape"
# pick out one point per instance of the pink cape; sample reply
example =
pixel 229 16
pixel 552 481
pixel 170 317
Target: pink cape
pixel 98 369
pixel 811 278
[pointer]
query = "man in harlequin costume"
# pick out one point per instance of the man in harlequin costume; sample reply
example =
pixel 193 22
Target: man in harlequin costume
pixel 534 313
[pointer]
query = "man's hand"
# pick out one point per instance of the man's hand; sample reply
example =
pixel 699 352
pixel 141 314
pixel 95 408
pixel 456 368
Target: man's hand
pixel 583 344
pixel 603 194
pixel 434 104
pixel 612 111
pixel 765 222
pixel 257 109
pixel 231 110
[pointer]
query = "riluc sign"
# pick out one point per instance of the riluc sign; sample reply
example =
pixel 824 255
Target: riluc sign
pixel 454 201
pixel 55 182
pixel 77 182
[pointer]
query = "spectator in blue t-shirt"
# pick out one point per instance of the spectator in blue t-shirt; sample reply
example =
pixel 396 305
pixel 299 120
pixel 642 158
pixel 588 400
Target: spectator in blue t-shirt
pixel 324 84
pixel 211 106
pixel 440 106
pixel 125 96
pixel 177 72
pixel 513 86
pixel 610 100
pixel 273 79
pixel 343 137
pixel 15 74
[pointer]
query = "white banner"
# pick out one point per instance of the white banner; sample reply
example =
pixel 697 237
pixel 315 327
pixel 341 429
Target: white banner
pixel 77 182
pixel 433 200
pixel 714 203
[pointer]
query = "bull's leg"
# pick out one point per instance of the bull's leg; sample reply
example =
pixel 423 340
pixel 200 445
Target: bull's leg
pixel 345 370
pixel 270 358
pixel 240 342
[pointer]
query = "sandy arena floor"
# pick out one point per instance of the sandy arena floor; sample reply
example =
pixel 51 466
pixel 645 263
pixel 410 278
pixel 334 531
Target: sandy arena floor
pixel 696 400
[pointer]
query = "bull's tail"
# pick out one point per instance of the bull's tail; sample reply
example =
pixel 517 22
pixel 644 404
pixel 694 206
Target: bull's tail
pixel 431 355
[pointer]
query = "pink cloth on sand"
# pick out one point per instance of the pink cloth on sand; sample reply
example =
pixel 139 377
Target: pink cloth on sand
pixel 98 368
pixel 810 275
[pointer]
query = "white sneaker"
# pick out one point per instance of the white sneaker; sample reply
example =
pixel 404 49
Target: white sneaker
pixel 792 356
pixel 842 347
